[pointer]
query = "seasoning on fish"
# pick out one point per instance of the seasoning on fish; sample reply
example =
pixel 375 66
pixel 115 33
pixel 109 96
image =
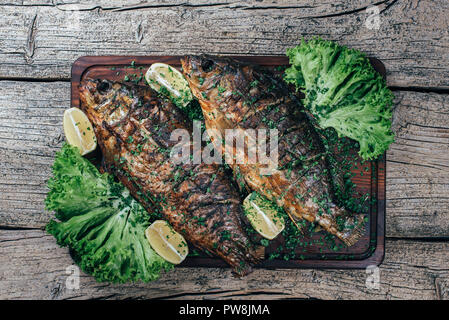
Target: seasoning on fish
pixel 234 95
pixel 133 125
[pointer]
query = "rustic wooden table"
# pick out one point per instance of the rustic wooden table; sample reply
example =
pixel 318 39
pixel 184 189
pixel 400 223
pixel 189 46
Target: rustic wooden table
pixel 39 41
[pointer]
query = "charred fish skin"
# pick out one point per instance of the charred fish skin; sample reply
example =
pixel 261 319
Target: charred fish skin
pixel 133 126
pixel 235 95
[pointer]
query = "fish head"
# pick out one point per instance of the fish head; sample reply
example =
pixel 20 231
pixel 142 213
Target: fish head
pixel 220 84
pixel 117 109
pixel 96 91
pixel 203 73
pixel 202 66
pixel 105 100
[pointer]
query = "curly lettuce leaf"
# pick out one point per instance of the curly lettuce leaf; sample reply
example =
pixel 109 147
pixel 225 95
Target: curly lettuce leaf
pixel 343 91
pixel 100 222
pixel 76 185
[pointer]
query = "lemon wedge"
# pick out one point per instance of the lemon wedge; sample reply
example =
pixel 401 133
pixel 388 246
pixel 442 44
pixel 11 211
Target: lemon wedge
pixel 167 243
pixel 169 81
pixel 263 216
pixel 79 131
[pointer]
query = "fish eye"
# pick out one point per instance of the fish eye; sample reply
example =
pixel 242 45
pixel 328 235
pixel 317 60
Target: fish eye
pixel 104 86
pixel 207 65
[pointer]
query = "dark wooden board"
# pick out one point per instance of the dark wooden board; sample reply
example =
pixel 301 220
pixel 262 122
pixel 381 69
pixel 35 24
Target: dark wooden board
pixel 370 178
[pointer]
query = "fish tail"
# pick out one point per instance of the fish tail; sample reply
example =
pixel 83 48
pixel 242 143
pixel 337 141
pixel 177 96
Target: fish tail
pixel 349 231
pixel 356 232
pixel 244 263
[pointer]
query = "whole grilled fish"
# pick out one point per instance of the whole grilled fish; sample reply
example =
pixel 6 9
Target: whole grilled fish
pixel 133 126
pixel 234 95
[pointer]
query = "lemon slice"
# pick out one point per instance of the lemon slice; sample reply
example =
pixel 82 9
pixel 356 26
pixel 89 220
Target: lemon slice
pixel 263 216
pixel 79 131
pixel 169 81
pixel 169 244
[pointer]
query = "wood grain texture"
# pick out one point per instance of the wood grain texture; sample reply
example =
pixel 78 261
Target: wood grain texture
pixel 33 267
pixel 417 163
pixel 41 40
pixel 30 134
pixel 418 166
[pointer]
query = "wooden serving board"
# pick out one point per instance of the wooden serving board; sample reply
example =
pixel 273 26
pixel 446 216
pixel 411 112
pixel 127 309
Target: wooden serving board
pixel 369 177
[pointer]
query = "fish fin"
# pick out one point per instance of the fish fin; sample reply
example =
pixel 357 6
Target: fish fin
pixel 242 269
pixel 259 252
pixel 352 230
pixel 352 236
pixel 239 272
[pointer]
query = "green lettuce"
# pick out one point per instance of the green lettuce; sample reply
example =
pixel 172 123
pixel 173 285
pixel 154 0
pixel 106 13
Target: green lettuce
pixel 343 91
pixel 101 223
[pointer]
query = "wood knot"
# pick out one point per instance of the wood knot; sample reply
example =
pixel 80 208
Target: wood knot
pixel 139 32
pixel 30 43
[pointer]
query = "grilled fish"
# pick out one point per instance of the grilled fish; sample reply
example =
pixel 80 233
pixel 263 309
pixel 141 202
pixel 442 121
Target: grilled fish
pixel 133 126
pixel 234 95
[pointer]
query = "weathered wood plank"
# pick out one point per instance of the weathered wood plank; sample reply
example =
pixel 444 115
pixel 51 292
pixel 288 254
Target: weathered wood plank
pixel 417 187
pixel 30 134
pixel 42 40
pixel 417 163
pixel 33 267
